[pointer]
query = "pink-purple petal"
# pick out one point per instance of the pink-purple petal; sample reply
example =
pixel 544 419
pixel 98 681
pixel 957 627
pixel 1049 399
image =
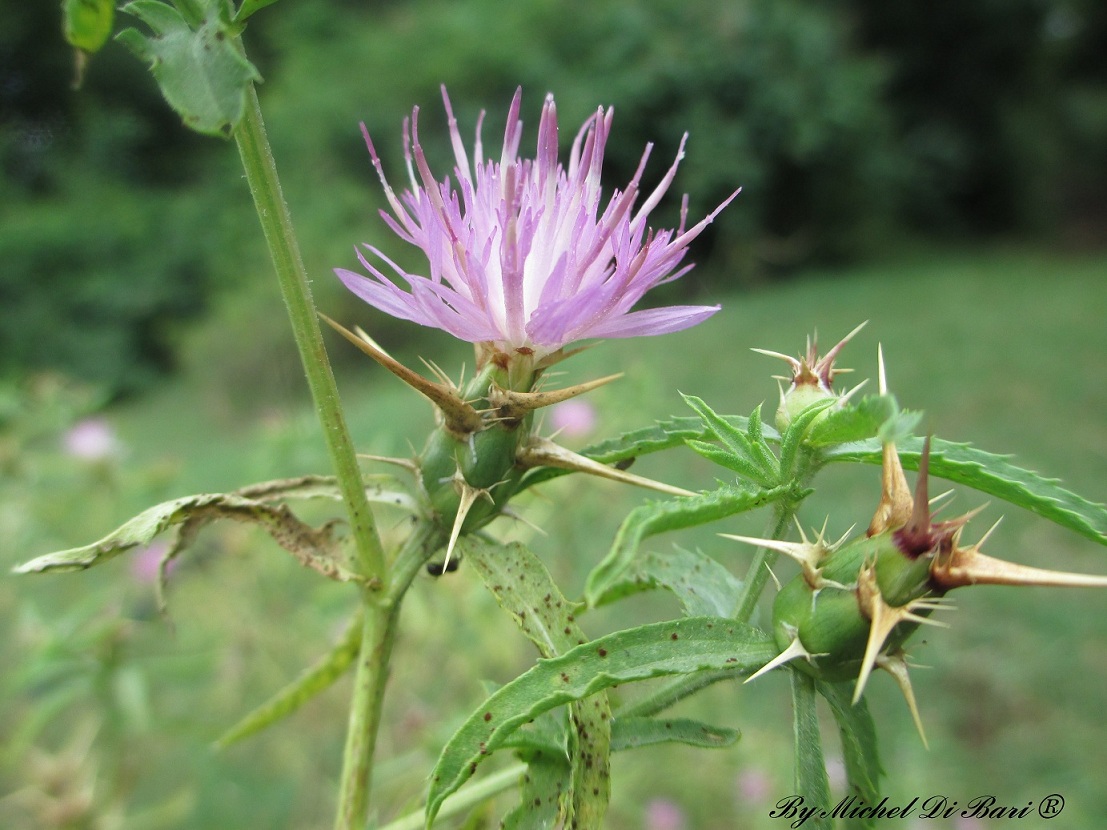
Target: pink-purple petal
pixel 520 252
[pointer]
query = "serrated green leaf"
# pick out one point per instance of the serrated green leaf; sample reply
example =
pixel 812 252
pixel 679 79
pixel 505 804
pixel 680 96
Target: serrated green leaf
pixel 524 588
pixel 811 781
pixel 87 24
pixel 659 649
pixel 741 443
pixel 659 517
pixel 633 733
pixel 704 587
pixel 201 68
pixel 856 421
pixel 858 734
pixel 734 439
pixel 673 432
pixel 994 475
pixel 314 680
pixel 732 461
pixel 796 433
pixel 315 548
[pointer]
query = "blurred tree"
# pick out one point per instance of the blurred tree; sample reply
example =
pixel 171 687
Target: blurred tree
pixel 993 102
pixel 103 255
pixel 847 122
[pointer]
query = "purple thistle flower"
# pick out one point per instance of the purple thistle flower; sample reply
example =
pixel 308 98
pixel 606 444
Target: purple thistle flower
pixel 521 256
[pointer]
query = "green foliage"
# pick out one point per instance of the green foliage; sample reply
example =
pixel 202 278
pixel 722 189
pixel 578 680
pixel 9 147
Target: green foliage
pixel 87 24
pixel 315 548
pixel 995 475
pixel 524 588
pixel 654 650
pixel 858 735
pixel 615 573
pixel 314 680
pixel 811 782
pixel 196 59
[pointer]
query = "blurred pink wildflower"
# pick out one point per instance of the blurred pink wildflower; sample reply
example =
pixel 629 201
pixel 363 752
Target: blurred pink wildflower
pixel 92 439
pixel 663 814
pixel 574 418
pixel 520 255
pixel 146 563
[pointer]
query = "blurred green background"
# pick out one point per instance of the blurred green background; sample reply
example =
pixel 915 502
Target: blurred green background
pixel 939 169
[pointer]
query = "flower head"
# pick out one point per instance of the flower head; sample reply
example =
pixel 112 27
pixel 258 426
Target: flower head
pixel 521 256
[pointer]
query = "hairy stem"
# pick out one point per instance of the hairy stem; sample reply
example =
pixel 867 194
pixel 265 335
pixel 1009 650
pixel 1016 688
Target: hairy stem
pixel 276 222
pixel 381 617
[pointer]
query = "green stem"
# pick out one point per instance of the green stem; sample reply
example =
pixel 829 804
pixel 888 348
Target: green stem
pixel 758 573
pixel 276 222
pixel 379 634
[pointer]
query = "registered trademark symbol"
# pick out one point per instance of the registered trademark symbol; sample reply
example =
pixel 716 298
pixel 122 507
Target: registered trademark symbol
pixel 1051 806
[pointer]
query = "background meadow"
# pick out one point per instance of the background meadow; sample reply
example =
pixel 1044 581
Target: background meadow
pixel 956 204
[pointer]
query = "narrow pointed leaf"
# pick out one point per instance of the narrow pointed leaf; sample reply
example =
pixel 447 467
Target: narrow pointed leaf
pixel 740 443
pixel 673 432
pixel 249 7
pixel 994 475
pixel 659 517
pixel 811 781
pixel 738 463
pixel 314 680
pixel 858 734
pixel 659 649
pixel 632 733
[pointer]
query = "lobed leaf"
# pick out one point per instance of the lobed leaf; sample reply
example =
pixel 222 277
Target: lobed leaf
pixel 991 474
pixel 655 650
pixel 201 69
pixel 659 517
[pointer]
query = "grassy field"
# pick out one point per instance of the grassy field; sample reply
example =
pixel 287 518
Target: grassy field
pixel 108 712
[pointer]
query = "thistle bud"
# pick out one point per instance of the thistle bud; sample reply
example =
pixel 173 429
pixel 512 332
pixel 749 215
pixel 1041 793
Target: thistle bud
pixel 812 380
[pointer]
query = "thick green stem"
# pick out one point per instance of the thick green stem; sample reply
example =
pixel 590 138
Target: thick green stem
pixel 381 617
pixel 261 175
